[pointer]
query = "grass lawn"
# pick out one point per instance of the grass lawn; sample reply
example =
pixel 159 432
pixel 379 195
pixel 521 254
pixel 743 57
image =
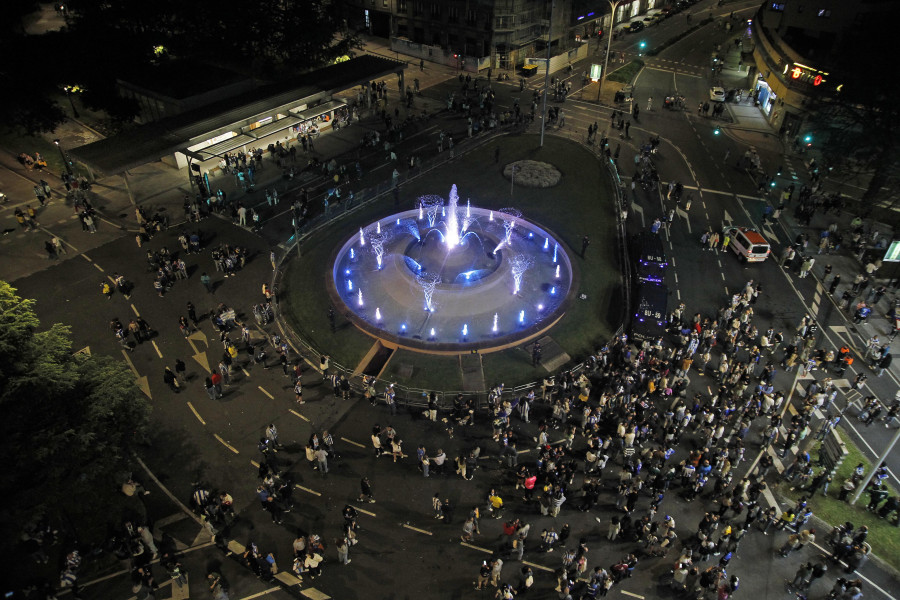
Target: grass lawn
pixel 18 142
pixel 579 205
pixel 626 73
pixel 439 372
pixel 884 538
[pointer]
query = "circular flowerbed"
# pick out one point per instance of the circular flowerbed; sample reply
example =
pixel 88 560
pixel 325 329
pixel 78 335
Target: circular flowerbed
pixel 533 173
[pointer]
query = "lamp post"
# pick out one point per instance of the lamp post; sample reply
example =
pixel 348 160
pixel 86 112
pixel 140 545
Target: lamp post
pixel 547 71
pixel 63 155
pixel 613 5
pixel 69 90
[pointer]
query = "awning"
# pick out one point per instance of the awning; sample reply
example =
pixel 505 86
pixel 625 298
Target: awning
pixel 225 146
pixel 273 127
pixel 321 109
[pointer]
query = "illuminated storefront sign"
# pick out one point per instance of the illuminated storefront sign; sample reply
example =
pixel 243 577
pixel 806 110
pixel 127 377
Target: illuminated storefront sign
pixel 799 72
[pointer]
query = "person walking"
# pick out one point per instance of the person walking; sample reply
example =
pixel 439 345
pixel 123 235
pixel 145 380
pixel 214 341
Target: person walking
pixel 365 491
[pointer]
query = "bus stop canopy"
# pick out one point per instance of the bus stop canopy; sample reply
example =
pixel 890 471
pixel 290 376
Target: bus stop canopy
pixel 150 142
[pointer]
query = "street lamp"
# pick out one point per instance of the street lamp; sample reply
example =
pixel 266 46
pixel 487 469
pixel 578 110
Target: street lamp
pixel 613 5
pixel 69 90
pixel 63 154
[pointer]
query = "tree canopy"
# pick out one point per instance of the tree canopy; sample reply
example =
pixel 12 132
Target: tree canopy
pixel 70 423
pixel 109 40
pixel 858 125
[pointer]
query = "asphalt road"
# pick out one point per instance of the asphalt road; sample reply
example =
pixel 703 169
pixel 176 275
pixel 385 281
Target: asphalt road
pixel 404 551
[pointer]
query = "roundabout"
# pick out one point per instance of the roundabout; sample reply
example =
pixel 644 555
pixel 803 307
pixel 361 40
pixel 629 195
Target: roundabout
pixel 467 271
pixel 451 277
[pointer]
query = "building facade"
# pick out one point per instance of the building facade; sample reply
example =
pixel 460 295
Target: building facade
pixel 474 35
pixel 794 49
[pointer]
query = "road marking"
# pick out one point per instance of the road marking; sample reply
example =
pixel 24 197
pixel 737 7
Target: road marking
pixel 99 268
pixel 632 595
pixel 417 529
pixel 245 371
pixel 137 314
pixel 364 511
pixel 262 593
pixel 86 257
pixel 271 397
pixel 723 276
pixel 196 414
pixel 294 412
pixel 314 594
pixel 479 548
pixel 861 576
pixel 300 487
pixel 226 444
pixel 254 463
pixel 130 364
pixel 536 566
pixel 357 444
pixel 156 347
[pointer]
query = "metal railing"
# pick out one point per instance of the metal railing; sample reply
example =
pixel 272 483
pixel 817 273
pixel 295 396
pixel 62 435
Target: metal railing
pixel 411 396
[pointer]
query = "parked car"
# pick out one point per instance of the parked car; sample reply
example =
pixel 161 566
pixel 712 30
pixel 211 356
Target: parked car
pixel 717 94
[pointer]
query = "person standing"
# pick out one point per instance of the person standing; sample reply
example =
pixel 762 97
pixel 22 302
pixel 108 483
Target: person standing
pixel 343 551
pixel 365 491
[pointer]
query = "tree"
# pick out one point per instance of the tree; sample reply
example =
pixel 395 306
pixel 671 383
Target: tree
pixel 70 424
pixel 859 122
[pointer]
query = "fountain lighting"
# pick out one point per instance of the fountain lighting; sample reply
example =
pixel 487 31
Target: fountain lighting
pixel 546 243
pixel 508 226
pixel 421 212
pixel 491 216
pixel 378 260
pixel 521 317
pixel 432 333
pixel 555 250
pixel 403 327
pixel 494 328
pixel 452 237
pixel 500 245
pixel 349 284
pixel 557 272
pixel 553 291
pixel 359 297
pixel 468 208
pixel 428 284
pixel 540 307
pixel 398 220
pixel 377 314
pixel 352 254
pixel 519 263
pixel 362 237
pixel 378 227
pixel 347 272
pixel 465 331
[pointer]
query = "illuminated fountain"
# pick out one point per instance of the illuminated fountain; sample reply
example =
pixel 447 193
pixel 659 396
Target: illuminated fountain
pixel 444 277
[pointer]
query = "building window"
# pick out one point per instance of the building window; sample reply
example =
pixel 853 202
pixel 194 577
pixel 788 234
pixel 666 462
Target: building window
pixel 401 6
pixel 779 6
pixel 384 3
pixel 453 13
pixel 824 13
pixel 435 10
pixel 419 8
pixel 471 16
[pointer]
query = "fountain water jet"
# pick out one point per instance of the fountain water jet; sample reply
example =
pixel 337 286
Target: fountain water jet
pixel 359 296
pixel 452 237
pixel 494 328
pixel 362 237
pixel 378 314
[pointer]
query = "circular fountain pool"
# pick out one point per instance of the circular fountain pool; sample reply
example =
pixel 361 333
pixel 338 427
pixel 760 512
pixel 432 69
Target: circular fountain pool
pixel 450 277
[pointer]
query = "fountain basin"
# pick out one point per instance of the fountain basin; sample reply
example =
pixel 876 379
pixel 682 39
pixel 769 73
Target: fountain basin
pixel 470 282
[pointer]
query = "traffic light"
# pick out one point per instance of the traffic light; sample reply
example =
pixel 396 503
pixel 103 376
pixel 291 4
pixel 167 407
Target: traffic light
pixel 643 45
pixel 807 139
